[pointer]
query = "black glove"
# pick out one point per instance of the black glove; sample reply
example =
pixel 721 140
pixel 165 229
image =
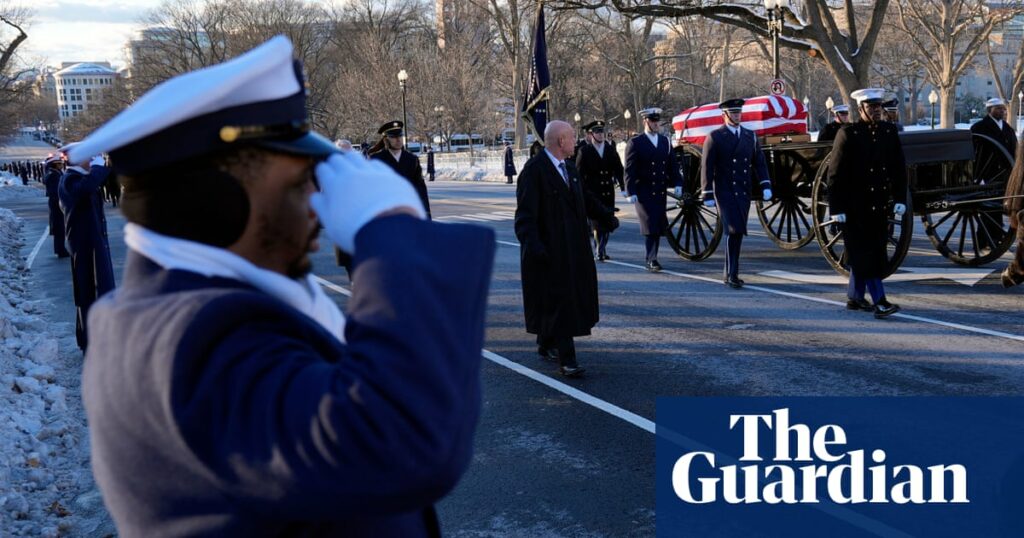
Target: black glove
pixel 610 223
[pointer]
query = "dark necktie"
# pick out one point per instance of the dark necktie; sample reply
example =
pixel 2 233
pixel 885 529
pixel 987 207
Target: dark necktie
pixel 565 173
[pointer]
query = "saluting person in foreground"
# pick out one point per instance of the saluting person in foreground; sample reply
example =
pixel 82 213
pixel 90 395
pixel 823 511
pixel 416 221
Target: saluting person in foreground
pixel 226 394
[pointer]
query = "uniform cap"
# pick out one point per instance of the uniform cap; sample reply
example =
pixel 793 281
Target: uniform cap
pixel 391 128
pixel 651 113
pixel 257 98
pixel 995 101
pixel 841 108
pixel 869 95
pixel 732 104
pixel 891 105
pixel 596 126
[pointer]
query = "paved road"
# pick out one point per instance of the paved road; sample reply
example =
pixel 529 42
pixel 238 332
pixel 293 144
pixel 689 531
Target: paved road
pixel 548 463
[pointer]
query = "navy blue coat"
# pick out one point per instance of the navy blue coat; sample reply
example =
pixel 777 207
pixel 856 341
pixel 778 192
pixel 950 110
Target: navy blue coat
pixel 728 165
pixel 407 166
pixel 650 172
pixel 217 410
pixel 601 174
pixel 85 226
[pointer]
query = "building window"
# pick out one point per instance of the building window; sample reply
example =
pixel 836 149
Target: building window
pixel 990 83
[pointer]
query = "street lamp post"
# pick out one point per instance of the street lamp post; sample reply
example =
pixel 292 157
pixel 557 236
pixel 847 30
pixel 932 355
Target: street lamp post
pixel 932 99
pixel 1020 107
pixel 807 109
pixel 829 103
pixel 402 77
pixel 629 127
pixel 576 117
pixel 439 110
pixel 775 23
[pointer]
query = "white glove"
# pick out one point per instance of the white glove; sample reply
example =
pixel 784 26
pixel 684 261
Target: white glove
pixel 97 161
pixel 710 202
pixel 679 191
pixel 839 218
pixel 354 191
pixel 631 199
pixel 899 209
pixel 767 194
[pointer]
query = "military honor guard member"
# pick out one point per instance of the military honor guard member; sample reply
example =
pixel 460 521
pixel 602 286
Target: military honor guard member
pixel 54 166
pixel 226 394
pixel 994 126
pixel 557 268
pixel 892 113
pixel 394 154
pixel 85 227
pixel 651 170
pixel 510 165
pixel 731 159
pixel 841 117
pixel 601 171
pixel 866 172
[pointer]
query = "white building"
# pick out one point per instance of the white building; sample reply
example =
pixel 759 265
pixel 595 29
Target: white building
pixel 80 84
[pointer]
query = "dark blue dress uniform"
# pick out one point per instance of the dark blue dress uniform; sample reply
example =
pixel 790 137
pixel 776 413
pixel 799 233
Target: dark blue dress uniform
pixel 602 174
pixel 407 165
pixel 52 182
pixel 729 163
pixel 85 226
pixel 867 175
pixel 649 172
pixel 1005 136
pixel 219 409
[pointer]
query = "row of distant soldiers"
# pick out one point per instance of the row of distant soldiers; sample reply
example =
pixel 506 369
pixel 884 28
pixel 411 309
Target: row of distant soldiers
pixel 26 170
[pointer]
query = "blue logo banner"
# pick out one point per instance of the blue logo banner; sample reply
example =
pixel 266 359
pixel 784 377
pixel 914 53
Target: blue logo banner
pixel 917 466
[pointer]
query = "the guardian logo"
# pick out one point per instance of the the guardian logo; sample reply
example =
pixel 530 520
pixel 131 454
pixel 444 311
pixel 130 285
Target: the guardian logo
pixel 818 467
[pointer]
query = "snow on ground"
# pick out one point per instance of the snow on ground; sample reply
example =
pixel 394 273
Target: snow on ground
pixel 46 485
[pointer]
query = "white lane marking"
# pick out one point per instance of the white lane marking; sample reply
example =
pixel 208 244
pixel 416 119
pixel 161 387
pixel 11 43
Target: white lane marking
pixel 962 275
pixel 488 216
pixel 951 325
pixel 332 286
pixel 649 426
pixel 39 245
pixel 572 392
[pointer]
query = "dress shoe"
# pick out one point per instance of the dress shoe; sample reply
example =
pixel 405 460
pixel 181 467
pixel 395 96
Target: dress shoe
pixel 859 304
pixel 653 266
pixel 548 353
pixel 571 371
pixel 1009 280
pixel 734 283
pixel 602 257
pixel 885 309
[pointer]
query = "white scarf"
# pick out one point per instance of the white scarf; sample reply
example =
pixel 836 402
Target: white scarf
pixel 305 295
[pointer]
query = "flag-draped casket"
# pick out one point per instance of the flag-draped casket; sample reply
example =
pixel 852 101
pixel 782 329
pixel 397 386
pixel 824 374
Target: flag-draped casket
pixel 765 115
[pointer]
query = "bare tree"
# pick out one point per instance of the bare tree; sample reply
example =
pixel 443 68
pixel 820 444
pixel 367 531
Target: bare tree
pixel 13 90
pixel 899 68
pixel 947 35
pixel 814 26
pixel 1015 82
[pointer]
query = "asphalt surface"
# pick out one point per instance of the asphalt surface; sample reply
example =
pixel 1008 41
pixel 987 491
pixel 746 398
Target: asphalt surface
pixel 549 464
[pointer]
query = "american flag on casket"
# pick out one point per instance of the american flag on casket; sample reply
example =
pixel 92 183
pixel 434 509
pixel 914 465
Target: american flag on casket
pixel 765 115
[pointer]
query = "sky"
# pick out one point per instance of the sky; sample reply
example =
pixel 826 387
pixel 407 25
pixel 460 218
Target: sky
pixel 81 30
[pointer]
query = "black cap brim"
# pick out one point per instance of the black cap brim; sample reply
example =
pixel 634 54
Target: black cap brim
pixel 310 144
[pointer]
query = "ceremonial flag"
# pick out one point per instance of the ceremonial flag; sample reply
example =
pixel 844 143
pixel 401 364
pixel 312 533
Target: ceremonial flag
pixel 765 115
pixel 535 102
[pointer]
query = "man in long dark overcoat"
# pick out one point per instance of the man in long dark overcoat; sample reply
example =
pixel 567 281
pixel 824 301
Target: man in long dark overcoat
pixel 867 183
pixel 731 158
pixel 650 170
pixel 54 170
pixel 601 171
pixel 509 162
pixel 85 226
pixel 557 265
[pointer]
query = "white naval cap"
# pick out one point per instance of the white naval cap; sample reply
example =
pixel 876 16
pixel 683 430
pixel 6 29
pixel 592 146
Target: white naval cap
pixel 840 108
pixel 258 98
pixel 995 101
pixel 654 113
pixel 869 95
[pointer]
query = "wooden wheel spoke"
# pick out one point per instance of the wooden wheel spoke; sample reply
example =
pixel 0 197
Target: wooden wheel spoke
pixel 843 258
pixel 973 220
pixel 940 221
pixel 952 228
pixel 963 236
pixel 803 218
pixel 833 241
